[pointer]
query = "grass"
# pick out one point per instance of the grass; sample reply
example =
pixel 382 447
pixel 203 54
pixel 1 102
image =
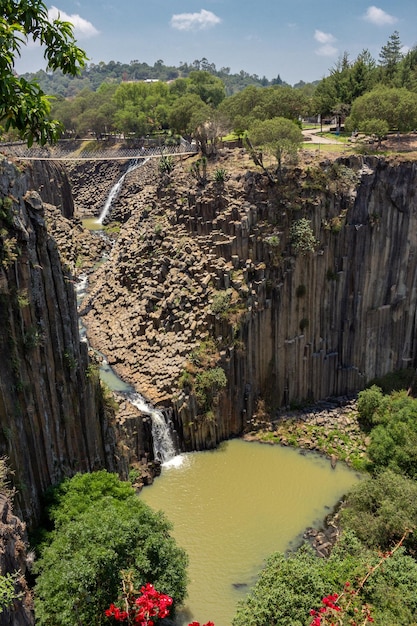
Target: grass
pixel 347 444
pixel 328 147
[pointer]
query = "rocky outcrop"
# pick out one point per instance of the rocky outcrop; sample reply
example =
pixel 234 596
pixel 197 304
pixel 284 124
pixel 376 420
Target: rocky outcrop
pixel 53 421
pixel 14 560
pixel 290 321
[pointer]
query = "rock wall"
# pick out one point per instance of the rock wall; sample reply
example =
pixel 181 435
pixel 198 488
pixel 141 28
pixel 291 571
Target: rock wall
pixel 329 321
pixel 326 322
pixel 14 561
pixel 53 422
pixel 299 326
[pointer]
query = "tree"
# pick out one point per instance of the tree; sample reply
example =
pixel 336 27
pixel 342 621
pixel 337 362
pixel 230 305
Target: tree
pixel 101 529
pixel 210 88
pixel 289 587
pixel 279 136
pixel 379 510
pixel 362 75
pixel 391 55
pixel 396 106
pixel 23 105
pixel 375 128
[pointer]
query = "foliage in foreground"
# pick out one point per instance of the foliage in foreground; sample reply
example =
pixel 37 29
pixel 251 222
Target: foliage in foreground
pixel 393 423
pixel 23 104
pixel 102 528
pixel 380 509
pixel 289 588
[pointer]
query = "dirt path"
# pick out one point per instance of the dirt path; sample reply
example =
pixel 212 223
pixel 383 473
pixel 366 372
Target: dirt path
pixel 312 134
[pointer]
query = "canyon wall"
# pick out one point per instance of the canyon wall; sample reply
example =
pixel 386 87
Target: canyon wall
pixel 53 421
pixel 296 324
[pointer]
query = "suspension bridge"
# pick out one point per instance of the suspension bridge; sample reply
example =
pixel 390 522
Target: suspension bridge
pixel 66 152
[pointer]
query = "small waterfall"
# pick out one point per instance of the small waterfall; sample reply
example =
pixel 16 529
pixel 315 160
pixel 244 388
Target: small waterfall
pixel 115 190
pixel 163 443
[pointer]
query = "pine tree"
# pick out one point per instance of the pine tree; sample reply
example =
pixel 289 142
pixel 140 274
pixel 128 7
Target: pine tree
pixel 391 55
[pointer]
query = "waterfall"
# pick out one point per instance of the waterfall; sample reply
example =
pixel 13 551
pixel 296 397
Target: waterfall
pixel 115 190
pixel 163 443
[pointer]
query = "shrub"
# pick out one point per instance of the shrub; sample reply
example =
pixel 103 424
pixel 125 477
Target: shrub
pixel 289 587
pixel 101 529
pixel 166 164
pixel 207 385
pixel 369 402
pixel 302 237
pixel 380 509
pixel 303 324
pixel 301 291
pixel 394 434
pixel 221 302
pixel 220 175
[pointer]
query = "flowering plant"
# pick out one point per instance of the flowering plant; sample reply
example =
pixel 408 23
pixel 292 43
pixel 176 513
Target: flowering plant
pixel 140 609
pixel 346 607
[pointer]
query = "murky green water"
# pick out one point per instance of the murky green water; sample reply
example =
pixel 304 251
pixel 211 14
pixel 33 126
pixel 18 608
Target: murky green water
pixel 92 223
pixel 234 506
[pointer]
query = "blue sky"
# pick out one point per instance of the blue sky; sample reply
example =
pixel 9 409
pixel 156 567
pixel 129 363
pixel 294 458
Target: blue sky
pixel 297 39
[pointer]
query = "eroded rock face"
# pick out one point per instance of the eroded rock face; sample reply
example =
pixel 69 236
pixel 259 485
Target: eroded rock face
pixel 53 421
pixel 298 326
pixel 14 561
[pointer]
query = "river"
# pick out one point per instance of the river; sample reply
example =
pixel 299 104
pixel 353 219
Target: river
pixel 234 506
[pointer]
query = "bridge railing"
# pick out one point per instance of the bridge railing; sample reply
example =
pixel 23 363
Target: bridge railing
pixel 61 152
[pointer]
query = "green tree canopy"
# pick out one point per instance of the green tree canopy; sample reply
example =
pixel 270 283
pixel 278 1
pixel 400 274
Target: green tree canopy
pixel 278 136
pixel 102 528
pixel 380 509
pixel 396 106
pixel 390 56
pixel 23 104
pixel 393 436
pixel 289 587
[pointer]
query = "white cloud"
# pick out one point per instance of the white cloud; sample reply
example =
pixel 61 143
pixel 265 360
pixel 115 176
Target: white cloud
pixel 326 40
pixel 195 21
pixel 379 17
pixel 83 29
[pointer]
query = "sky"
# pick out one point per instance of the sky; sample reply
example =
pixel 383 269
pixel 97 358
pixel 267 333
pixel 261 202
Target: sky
pixel 296 39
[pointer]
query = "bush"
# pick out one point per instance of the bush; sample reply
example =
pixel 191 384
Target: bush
pixel 220 175
pixel 207 385
pixel 286 591
pixel 394 435
pixel 302 237
pixel 221 302
pixel 102 528
pixel 166 164
pixel 380 509
pixel 369 402
pixel 288 588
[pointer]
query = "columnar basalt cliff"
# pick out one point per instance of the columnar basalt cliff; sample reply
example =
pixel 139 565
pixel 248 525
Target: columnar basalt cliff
pixel 14 562
pixel 297 291
pixel 53 421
